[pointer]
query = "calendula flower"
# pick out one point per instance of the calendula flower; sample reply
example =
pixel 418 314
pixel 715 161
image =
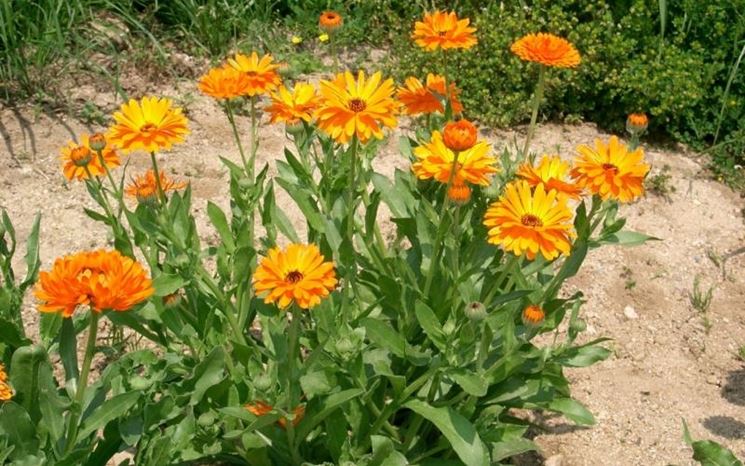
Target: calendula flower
pixel 356 107
pixel 330 20
pixel 611 170
pixel 297 274
pixel 150 124
pixel 292 106
pixel 261 72
pixel 533 316
pixel 225 82
pixel 636 123
pixel 77 157
pixel 102 280
pixel 527 222
pixel 444 30
pixel 323 37
pixel 552 172
pixel 546 49
pixel 296 40
pixel 144 188
pixel 418 98
pixel 260 408
pixel 459 193
pixel 459 135
pixel 435 161
pixel 6 392
pixel 97 142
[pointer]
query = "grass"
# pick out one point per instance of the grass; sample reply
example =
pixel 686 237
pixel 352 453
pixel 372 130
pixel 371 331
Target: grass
pixel 661 183
pixel 701 301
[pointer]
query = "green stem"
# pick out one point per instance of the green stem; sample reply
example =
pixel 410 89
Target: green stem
pixel 292 350
pixel 90 349
pixel 508 266
pixel 254 146
pixel 161 193
pixel 220 296
pixel 352 266
pixel 231 119
pixel 114 186
pixel 537 97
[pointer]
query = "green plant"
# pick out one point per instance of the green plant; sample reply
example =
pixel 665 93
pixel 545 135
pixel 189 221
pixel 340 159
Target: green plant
pixel 709 452
pixel 701 300
pixel 628 275
pixel 660 183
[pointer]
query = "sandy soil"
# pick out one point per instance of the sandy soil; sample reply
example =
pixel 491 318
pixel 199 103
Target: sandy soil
pixel 667 363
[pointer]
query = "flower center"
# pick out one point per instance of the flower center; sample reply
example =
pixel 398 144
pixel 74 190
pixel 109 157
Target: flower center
pixel 530 220
pixel 610 166
pixel 147 128
pixel 357 105
pixel 441 33
pixel 294 276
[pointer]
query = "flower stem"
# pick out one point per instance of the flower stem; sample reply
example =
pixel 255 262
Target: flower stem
pixel 352 266
pixel 90 349
pixel 292 350
pixel 231 119
pixel 161 193
pixel 254 145
pixel 537 97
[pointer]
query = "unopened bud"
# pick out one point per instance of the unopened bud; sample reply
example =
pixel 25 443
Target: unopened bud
pixel 476 311
pixel 97 142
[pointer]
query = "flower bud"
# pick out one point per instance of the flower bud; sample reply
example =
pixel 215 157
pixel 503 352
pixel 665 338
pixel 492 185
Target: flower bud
pixel 533 316
pixel 263 382
pixel 460 135
pixel 476 311
pixel 81 156
pixel 636 123
pixel 172 300
pixel 344 346
pixel 97 142
pixel 459 193
pixel 330 20
pixel 492 190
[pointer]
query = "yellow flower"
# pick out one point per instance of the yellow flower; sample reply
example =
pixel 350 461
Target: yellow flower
pixel 443 30
pixel 552 173
pixel 262 73
pixel 150 124
pixel 296 40
pixel 297 274
pixel 610 170
pixel 77 157
pixel 323 37
pixel 522 221
pixel 546 49
pixel 291 107
pixel 360 107
pixel 435 161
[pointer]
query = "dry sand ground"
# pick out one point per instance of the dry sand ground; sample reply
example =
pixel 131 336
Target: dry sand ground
pixel 666 365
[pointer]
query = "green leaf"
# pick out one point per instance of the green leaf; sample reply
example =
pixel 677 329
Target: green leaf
pixel 430 324
pixel 110 409
pixel 585 355
pixel 507 449
pixel 572 409
pixel 457 429
pixel 708 452
pixel 32 254
pixel 327 406
pixel 220 221
pixel 11 335
pixel 472 383
pixel 68 350
pixel 17 428
pixel 315 383
pixel 627 238
pixel 209 372
pixel 26 369
pixel 166 284
pixel 384 336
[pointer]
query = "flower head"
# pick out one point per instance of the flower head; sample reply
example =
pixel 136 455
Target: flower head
pixel 6 392
pixel 529 222
pixel 356 107
pixel 546 49
pixel 611 170
pixel 323 37
pixel 459 193
pixel 225 82
pixel 419 98
pixel 77 157
pixel 144 188
pixel 330 20
pixel 150 124
pixel 297 274
pixel 293 106
pixel 103 280
pixel 435 161
pixel 533 316
pixel 260 408
pixel 636 123
pixel 552 173
pixel 97 142
pixel 459 135
pixel 444 30
pixel 261 73
pixel 296 40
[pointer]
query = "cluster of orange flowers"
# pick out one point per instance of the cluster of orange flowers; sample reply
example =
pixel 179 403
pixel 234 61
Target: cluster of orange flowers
pixel 102 280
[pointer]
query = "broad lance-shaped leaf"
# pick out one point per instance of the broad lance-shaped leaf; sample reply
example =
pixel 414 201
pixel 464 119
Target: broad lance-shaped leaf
pixel 108 411
pixel 457 430
pixel 220 221
pixel 572 409
pixel 628 238
pixel 209 372
pixel 326 407
pixel 709 453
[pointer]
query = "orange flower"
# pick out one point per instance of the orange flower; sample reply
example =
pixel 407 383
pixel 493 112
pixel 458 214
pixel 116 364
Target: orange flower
pixel 460 135
pixel 459 193
pixel 522 221
pixel 144 188
pixel 297 274
pixel 611 171
pixel 533 316
pixel 291 107
pixel 358 107
pixel 418 98
pixel 76 157
pixel 637 123
pixel 546 49
pixel 443 30
pixel 551 172
pixel 6 392
pixel 150 124
pixel 330 20
pixel 103 280
pixel 224 83
pixel 260 408
pixel 262 73
pixel 435 161
pixel 97 142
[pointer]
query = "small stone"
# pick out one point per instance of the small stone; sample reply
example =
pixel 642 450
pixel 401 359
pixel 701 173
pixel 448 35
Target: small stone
pixel 554 460
pixel 630 313
pixel 712 380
